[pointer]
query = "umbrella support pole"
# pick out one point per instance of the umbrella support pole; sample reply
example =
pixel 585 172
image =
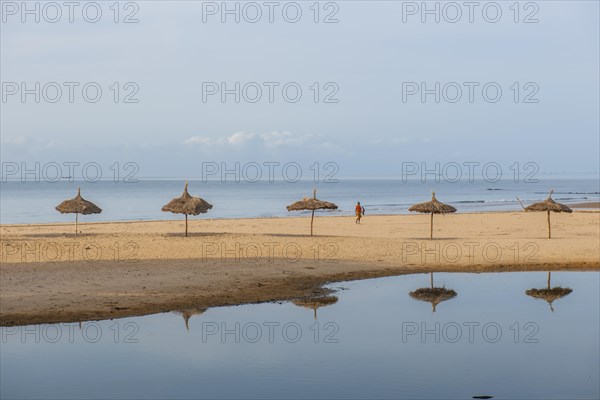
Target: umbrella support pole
pixel 311 222
pixel 431 228
pixel 76 221
pixel 548 279
pixel 431 279
pixel 186 225
pixel 549 235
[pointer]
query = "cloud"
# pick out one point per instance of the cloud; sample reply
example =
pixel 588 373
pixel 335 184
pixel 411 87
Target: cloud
pixel 269 140
pixel 277 139
pixel 200 140
pixel 240 138
pixel 17 140
pixel 32 142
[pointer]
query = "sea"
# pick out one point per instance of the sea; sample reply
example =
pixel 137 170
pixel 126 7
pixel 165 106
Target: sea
pixel 142 199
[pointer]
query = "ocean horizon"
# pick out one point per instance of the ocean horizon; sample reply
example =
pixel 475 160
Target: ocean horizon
pixel 34 202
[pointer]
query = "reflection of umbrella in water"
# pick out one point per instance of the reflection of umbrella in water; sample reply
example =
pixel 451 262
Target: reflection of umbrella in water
pixel 548 205
pixel 187 314
pixel 432 207
pixel 311 205
pixel 434 295
pixel 78 205
pixel 187 205
pixel 316 302
pixel 549 294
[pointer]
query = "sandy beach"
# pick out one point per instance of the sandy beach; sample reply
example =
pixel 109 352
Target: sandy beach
pixel 118 269
pixel 587 205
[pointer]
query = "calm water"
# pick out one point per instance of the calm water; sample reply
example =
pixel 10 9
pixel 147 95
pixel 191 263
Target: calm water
pixel 33 202
pixel 367 345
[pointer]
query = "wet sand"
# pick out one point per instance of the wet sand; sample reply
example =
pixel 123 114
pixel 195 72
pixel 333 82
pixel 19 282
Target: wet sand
pixel 588 205
pixel 120 269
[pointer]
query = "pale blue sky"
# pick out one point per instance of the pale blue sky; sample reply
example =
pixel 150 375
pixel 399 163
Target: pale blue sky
pixel 368 54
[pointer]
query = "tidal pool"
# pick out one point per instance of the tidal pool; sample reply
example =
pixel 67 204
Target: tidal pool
pixel 493 337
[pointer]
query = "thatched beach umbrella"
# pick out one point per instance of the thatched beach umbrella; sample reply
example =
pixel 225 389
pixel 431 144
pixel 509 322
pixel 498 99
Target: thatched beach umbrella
pixel 312 205
pixel 78 205
pixel 432 207
pixel 548 205
pixel 549 294
pixel 316 302
pixel 187 205
pixel 188 313
pixel 433 295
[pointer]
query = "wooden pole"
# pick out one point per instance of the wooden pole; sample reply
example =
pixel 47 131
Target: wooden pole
pixel 521 203
pixel 431 227
pixel 431 279
pixel 313 212
pixel 186 229
pixel 549 236
pixel 548 279
pixel 76 220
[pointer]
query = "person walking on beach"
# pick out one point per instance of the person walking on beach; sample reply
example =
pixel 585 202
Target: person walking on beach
pixel 360 211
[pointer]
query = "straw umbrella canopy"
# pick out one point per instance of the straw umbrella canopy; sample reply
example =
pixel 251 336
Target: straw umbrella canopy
pixel 311 205
pixel 187 205
pixel 432 207
pixel 188 313
pixel 433 295
pixel 548 205
pixel 316 302
pixel 78 205
pixel 549 294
